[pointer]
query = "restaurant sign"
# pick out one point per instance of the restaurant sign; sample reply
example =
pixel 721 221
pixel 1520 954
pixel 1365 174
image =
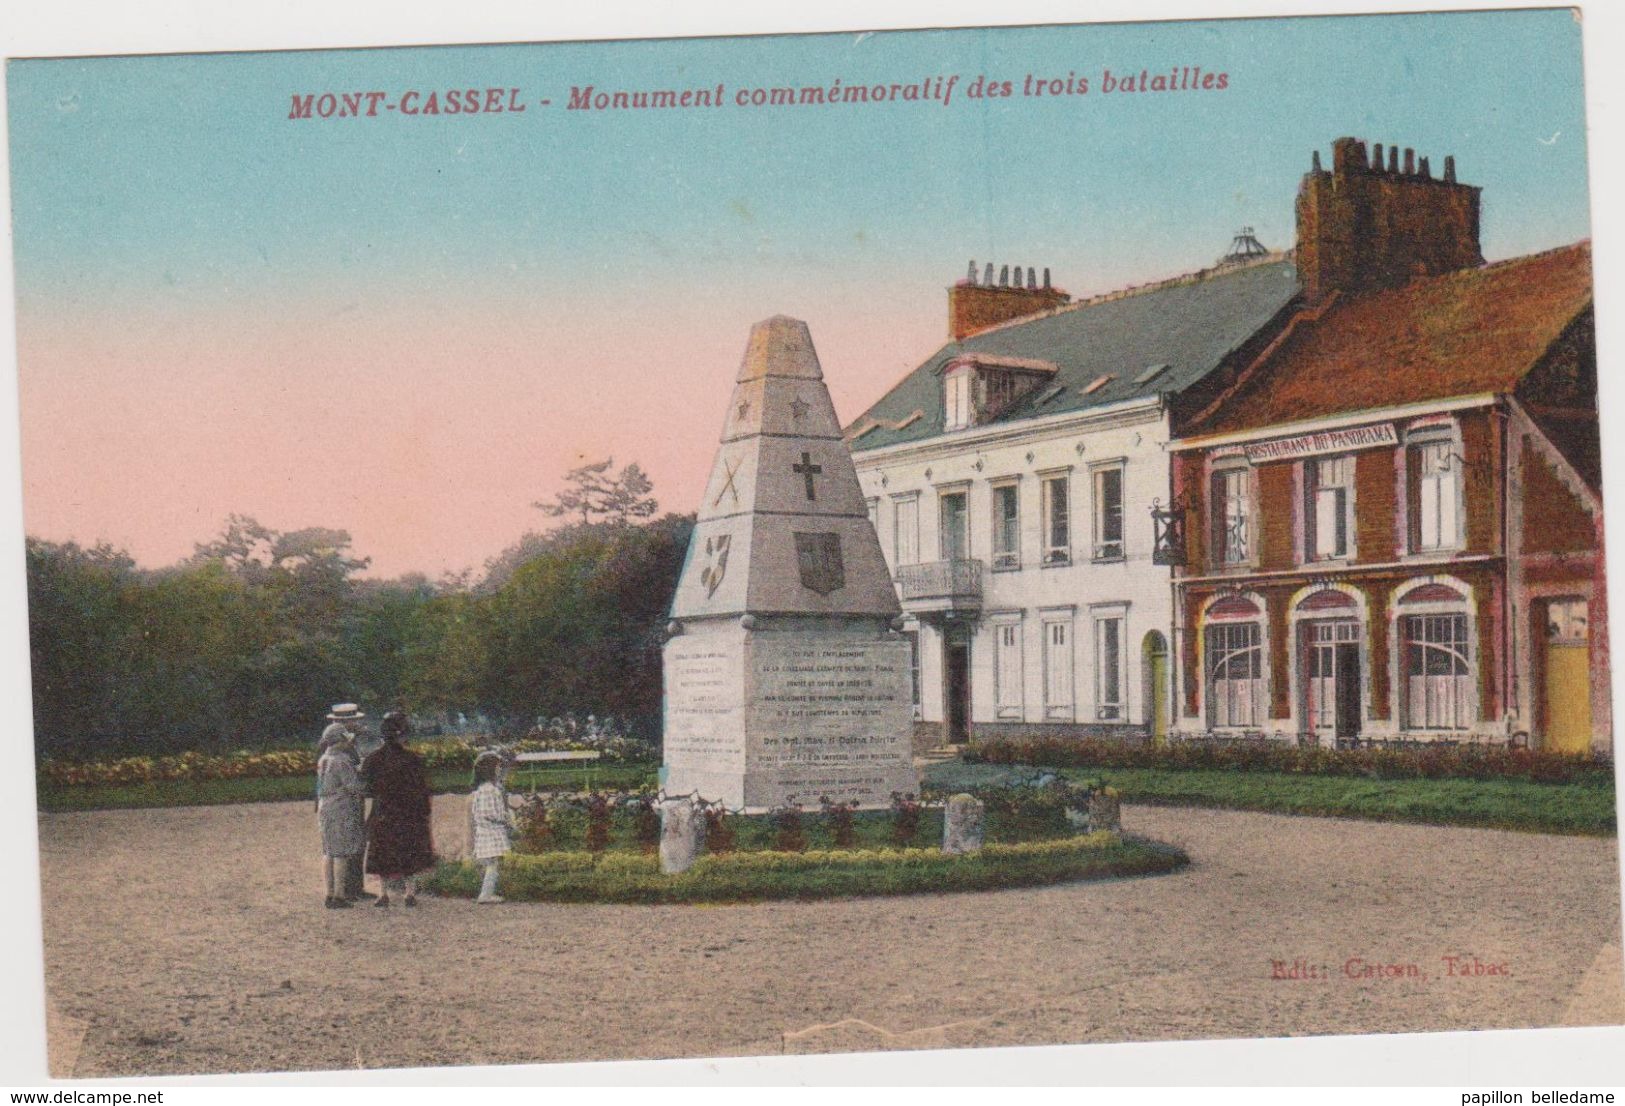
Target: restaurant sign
pixel 1323 441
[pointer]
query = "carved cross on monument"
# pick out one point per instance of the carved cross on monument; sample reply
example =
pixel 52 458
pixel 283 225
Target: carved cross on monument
pixel 807 470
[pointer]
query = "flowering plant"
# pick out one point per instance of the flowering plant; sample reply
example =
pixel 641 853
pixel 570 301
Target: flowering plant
pixel 839 818
pixel 792 837
pixel 905 818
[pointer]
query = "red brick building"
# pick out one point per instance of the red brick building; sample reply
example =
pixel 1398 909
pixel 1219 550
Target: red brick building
pixel 1392 520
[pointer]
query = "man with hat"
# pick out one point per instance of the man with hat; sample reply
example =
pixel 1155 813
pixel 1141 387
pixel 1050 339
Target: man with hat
pixel 341 727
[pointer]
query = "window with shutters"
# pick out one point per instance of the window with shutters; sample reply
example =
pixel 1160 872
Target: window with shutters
pixel 1058 670
pixel 1329 508
pixel 953 535
pixel 1057 520
pixel 906 530
pixel 1108 490
pixel 1109 669
pixel 1433 476
pixel 1233 516
pixel 1006 526
pixel 1007 669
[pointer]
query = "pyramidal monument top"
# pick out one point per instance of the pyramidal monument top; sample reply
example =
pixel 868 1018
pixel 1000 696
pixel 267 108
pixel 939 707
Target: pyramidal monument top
pixel 783 527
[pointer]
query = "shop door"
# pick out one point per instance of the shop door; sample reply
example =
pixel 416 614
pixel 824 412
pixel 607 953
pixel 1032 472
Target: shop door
pixel 1154 655
pixel 1348 691
pixel 1566 677
pixel 1333 684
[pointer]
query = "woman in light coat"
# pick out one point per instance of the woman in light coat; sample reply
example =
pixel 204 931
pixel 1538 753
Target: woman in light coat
pixel 340 796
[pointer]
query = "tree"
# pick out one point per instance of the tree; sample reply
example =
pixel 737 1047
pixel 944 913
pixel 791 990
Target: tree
pixel 245 547
pixel 593 493
pixel 578 628
pixel 81 626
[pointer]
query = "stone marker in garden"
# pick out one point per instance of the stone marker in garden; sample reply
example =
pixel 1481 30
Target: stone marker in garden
pixel 682 835
pixel 1105 811
pixel 962 825
pixel 784 679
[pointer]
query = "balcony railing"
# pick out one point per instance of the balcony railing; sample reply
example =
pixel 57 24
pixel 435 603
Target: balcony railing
pixel 954 584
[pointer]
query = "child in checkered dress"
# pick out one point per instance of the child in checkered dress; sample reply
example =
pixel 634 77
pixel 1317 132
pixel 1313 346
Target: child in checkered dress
pixel 490 823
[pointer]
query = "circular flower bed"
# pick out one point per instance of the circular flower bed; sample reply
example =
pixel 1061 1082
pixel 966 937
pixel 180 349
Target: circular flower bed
pixel 631 877
pixel 603 849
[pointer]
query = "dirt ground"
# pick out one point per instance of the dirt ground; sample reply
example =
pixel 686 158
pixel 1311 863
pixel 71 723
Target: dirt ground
pixel 194 940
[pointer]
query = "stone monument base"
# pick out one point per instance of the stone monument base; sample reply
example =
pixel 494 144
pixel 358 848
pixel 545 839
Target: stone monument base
pixel 768 711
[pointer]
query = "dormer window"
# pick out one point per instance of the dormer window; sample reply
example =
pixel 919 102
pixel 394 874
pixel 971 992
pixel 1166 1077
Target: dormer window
pixel 978 389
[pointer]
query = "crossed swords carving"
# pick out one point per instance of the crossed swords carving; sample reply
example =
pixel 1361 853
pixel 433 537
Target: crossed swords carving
pixel 728 485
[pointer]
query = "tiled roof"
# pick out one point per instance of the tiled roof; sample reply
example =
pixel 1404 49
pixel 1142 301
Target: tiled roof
pixel 1188 324
pixel 1472 332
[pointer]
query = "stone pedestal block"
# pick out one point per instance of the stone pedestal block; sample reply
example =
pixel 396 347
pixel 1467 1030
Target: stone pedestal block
pixel 682 835
pixel 962 825
pixel 1105 812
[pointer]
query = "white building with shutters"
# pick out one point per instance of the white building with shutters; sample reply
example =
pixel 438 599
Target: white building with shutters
pixel 1011 479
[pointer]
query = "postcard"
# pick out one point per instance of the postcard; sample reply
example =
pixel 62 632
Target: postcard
pixel 814 543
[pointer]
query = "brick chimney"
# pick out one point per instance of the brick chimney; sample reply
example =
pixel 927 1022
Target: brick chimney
pixel 1367 225
pixel 975 305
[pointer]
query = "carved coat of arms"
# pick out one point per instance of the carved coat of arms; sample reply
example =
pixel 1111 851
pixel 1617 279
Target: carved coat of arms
pixel 819 558
pixel 716 562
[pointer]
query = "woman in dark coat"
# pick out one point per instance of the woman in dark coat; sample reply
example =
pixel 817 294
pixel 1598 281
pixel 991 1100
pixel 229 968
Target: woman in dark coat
pixel 398 841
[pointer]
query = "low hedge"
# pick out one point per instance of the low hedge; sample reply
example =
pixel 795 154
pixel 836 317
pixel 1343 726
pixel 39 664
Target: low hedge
pixel 196 767
pixel 631 877
pixel 1479 762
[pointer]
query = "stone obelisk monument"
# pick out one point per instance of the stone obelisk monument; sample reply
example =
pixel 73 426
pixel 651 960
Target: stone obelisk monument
pixel 785 682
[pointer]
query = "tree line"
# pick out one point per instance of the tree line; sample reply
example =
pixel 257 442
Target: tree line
pixel 246 642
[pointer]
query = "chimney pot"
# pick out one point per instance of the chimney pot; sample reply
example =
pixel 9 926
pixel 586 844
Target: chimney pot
pixel 974 307
pixel 970 274
pixel 1314 161
pixel 1363 231
pixel 1376 154
pixel 1348 154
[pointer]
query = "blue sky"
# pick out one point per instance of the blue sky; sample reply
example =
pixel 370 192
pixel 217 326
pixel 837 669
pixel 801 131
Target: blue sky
pixel 140 176
pixel 215 299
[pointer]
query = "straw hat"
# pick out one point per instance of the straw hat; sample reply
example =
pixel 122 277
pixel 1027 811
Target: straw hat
pixel 344 712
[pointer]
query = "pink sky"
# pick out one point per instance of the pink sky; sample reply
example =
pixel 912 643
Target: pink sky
pixel 426 430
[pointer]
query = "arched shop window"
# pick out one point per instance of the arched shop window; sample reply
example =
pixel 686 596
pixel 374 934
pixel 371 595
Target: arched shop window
pixel 1234 653
pixel 1436 659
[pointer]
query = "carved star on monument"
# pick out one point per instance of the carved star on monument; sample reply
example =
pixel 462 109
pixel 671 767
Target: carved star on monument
pixel 798 409
pixel 744 409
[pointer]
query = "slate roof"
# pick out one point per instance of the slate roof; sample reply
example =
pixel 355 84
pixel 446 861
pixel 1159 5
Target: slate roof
pixel 1189 324
pixel 1469 332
